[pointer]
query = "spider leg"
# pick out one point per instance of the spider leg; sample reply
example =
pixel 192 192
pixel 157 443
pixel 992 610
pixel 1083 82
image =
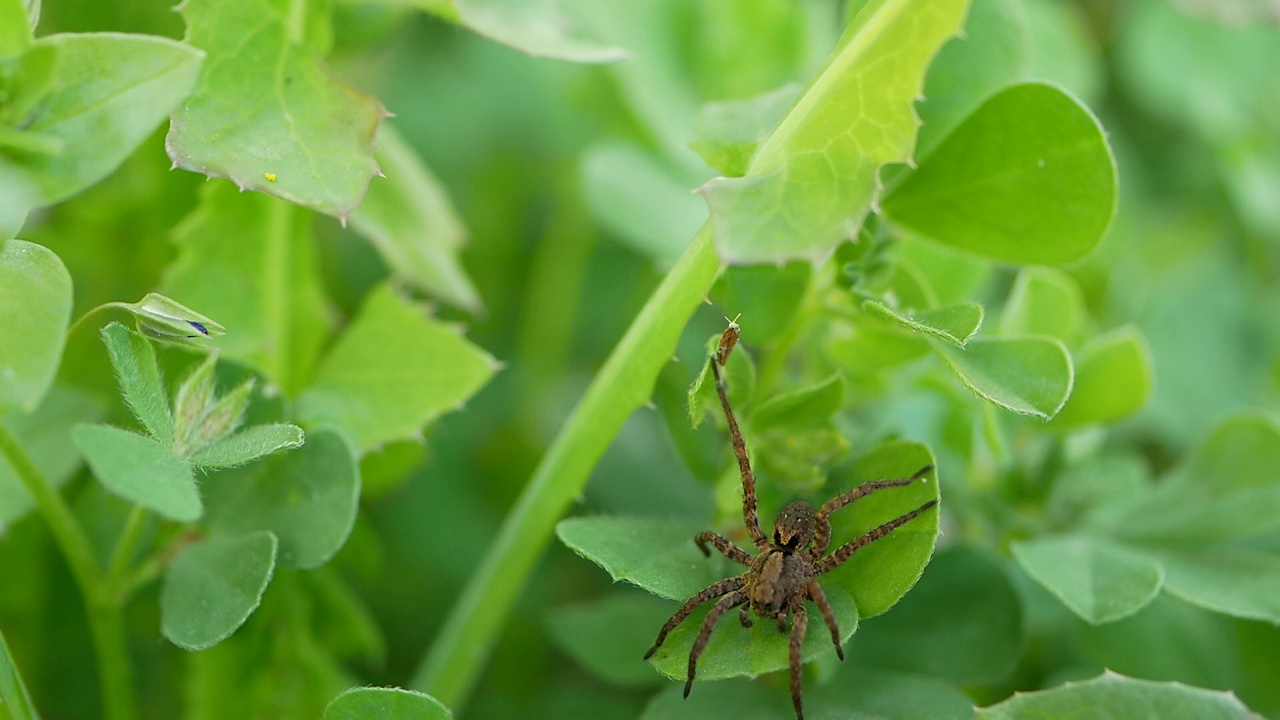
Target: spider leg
pixel 724 605
pixel 799 623
pixel 750 511
pixel 724 545
pixel 820 599
pixel 822 531
pixel 781 617
pixel 716 589
pixel 837 558
pixel 744 616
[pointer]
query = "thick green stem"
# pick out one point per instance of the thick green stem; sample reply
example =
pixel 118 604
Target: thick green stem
pixel 624 384
pixel 105 620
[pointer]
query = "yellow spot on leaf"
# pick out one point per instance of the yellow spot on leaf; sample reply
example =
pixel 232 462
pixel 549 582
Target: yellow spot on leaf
pixel 271 177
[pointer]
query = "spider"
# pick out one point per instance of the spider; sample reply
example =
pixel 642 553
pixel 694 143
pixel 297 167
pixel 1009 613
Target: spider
pixel 785 572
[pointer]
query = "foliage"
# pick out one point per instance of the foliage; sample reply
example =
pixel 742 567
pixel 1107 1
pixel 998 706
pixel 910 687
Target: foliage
pixel 955 233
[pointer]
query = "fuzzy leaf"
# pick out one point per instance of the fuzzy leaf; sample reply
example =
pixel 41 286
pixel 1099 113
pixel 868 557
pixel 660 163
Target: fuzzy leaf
pixel 248 445
pixel 385 704
pixel 268 115
pixel 394 369
pixel 1099 580
pixel 813 179
pixel 45 434
pixel 1121 697
pixel 955 323
pixel 1044 301
pixel 140 470
pixel 139 376
pixel 1028 375
pixel 35 307
pixel 1113 379
pixel 1027 178
pixel 213 587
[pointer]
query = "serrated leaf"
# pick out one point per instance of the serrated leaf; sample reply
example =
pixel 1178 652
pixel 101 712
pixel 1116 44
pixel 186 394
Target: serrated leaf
pixel 726 134
pixel 385 704
pixel 307 498
pixel 1099 580
pixel 628 618
pixel 35 307
pixel 134 361
pixel 1113 379
pixel 1027 178
pixel 1121 697
pixel 107 92
pixel 1028 375
pixel 813 179
pixel 1044 301
pixel 140 470
pixel 955 323
pixel 248 445
pixel 657 555
pixel 409 220
pixel 13 692
pixel 213 587
pixel 45 435
pixel 394 369
pixel 268 115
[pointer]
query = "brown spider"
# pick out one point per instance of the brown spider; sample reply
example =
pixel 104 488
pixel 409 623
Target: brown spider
pixel 785 571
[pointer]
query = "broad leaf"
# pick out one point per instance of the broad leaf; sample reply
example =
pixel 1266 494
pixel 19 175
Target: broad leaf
pixel 45 434
pixel 35 307
pixel 726 134
pixel 537 28
pixel 108 91
pixel 1027 178
pixel 804 407
pixel 767 297
pixel 138 373
pixel 409 220
pixel 14 697
pixel 307 498
pixel 385 704
pixel 657 555
pixel 1099 580
pixel 1028 375
pixel 394 369
pixel 1113 379
pixel 955 323
pixel 812 180
pixel 629 618
pixel 1236 581
pixel 1121 697
pixel 1044 301
pixel 871 346
pixel 247 445
pixel 140 470
pixel 268 115
pixel 213 587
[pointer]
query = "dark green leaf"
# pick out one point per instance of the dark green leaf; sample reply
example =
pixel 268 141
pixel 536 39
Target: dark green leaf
pixel 1113 379
pixel 139 376
pixel 1121 697
pixel 140 470
pixel 1099 580
pixel 385 704
pixel 629 619
pixel 35 307
pixel 955 323
pixel 45 434
pixel 1027 178
pixel 726 134
pixel 248 445
pixel 213 587
pixel 15 701
pixel 1028 375
pixel 657 555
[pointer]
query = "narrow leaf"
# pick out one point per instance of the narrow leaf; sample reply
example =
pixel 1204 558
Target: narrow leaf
pixel 139 376
pixel 385 704
pixel 1099 580
pixel 1121 697
pixel 213 587
pixel 1113 379
pixel 1028 375
pixel 140 470
pixel 955 323
pixel 248 445
pixel 13 692
pixel 35 307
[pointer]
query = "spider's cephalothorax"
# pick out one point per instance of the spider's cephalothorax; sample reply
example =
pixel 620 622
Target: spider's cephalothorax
pixel 784 573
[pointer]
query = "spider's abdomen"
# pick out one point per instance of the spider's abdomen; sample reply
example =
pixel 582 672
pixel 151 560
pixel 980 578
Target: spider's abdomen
pixel 776 576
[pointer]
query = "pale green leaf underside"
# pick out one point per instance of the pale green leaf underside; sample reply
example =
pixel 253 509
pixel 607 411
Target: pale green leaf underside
pixel 954 323
pixel 1028 375
pixel 247 445
pixel 35 307
pixel 812 180
pixel 1119 697
pixel 140 470
pixel 213 587
pixel 138 374
pixel 268 115
pixel 385 704
pixel 1099 580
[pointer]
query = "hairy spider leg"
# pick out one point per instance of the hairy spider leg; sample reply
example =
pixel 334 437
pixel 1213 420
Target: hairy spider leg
pixel 715 589
pixel 819 598
pixel 822 530
pixel 750 513
pixel 724 545
pixel 837 558
pixel 799 623
pixel 724 605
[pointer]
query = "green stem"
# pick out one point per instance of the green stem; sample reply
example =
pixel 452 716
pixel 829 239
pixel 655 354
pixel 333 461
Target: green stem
pixel 623 384
pixel 122 556
pixel 105 620
pixel 105 306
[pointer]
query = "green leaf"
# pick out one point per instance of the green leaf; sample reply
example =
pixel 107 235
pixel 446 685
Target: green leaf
pixel 394 369
pixel 1088 491
pixel 307 498
pixel 213 587
pixel 35 307
pixel 1099 580
pixel 629 619
pixel 805 407
pixel 14 698
pixel 955 323
pixel 45 434
pixel 963 622
pixel 1044 301
pixel 657 555
pixel 767 297
pixel 107 93
pixel 813 179
pixel 537 28
pixel 15 32
pixel 139 376
pixel 863 348
pixel 1028 375
pixel 248 445
pixel 268 115
pixel 739 376
pixel 140 470
pixel 1113 379
pixel 385 704
pixel 1027 178
pixel 408 219
pixel 1121 697
pixel 726 134
pixel 1236 581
